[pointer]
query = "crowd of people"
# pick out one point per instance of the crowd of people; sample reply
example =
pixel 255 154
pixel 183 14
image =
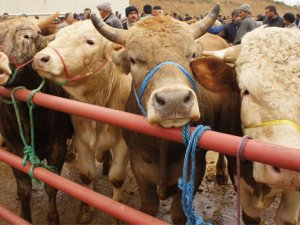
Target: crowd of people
pixel 232 28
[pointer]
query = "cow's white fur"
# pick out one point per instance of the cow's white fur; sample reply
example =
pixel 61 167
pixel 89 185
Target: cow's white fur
pixel 107 87
pixel 269 68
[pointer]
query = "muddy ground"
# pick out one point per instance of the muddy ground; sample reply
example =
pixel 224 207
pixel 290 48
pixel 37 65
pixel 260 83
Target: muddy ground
pixel 216 204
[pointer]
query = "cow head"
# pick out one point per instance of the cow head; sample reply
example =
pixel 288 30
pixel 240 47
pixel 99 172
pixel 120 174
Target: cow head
pixel 77 51
pixel 20 39
pixel 269 75
pixel 169 97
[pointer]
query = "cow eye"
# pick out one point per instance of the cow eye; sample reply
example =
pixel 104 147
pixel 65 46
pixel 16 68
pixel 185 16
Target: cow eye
pixel 26 36
pixel 194 55
pixel 244 92
pixel 90 42
pixel 132 60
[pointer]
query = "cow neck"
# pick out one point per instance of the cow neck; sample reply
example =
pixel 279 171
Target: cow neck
pixel 79 76
pixel 275 122
pixel 93 89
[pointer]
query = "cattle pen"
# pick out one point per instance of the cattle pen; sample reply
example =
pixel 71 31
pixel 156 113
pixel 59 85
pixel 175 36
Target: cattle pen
pixel 227 144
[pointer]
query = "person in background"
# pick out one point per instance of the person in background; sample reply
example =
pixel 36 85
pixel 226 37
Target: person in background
pixel 108 17
pixel 147 11
pixel 230 30
pixel 247 23
pixel 132 15
pixel 288 20
pixel 272 19
pixel 87 13
pixel 68 20
pixel 297 22
pixel 157 11
pixel 260 19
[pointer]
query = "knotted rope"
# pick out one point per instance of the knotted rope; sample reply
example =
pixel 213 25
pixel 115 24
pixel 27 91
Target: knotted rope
pixel 186 186
pixel 29 150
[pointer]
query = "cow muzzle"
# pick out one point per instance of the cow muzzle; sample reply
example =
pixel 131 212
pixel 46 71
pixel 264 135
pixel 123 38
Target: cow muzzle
pixel 5 71
pixel 276 177
pixel 46 64
pixel 173 107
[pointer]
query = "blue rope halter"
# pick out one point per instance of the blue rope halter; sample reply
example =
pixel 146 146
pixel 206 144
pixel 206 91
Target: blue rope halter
pixel 151 74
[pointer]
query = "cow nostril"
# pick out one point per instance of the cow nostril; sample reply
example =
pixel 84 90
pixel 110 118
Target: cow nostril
pixel 45 59
pixel 160 101
pixel 276 169
pixel 188 98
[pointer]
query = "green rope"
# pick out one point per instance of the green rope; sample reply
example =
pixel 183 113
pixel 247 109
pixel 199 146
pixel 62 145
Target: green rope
pixel 5 101
pixel 29 150
pixel 13 77
pixel 9 82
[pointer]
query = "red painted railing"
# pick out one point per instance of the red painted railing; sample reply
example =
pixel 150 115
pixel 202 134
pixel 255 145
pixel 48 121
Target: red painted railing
pixel 101 202
pixel 10 217
pixel 227 144
pixel 276 155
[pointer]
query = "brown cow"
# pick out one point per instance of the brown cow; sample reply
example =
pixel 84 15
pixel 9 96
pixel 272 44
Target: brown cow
pixel 171 100
pixel 20 39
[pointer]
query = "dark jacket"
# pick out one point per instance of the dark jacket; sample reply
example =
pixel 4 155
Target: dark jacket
pixel 229 32
pixel 276 22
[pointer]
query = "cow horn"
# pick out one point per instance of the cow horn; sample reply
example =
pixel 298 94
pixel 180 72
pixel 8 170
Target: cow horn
pixel 113 34
pixel 228 55
pixel 43 23
pixel 201 27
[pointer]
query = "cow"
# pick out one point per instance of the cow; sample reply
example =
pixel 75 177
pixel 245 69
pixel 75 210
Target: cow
pixel 90 76
pixel 170 99
pixel 20 39
pixel 267 64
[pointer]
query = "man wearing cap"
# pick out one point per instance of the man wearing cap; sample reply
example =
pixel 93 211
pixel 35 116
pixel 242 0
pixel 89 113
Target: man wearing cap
pixel 272 19
pixel 289 20
pixel 108 17
pixel 247 22
pixel 132 15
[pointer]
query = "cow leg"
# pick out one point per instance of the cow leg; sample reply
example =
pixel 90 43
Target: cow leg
pixel 24 187
pixel 56 159
pixel 71 152
pixel 221 172
pixel 177 213
pixel 231 166
pixel 87 175
pixel 2 142
pixel 251 215
pixel 118 170
pixel 148 190
pixel 107 160
pixel 288 210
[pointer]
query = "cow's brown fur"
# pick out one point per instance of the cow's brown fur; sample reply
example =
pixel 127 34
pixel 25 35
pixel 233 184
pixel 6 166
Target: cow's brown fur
pixel 51 128
pixel 156 162
pixel 162 160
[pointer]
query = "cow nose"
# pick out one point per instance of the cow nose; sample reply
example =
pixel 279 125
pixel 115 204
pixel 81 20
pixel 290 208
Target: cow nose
pixel 45 59
pixel 173 104
pixel 182 98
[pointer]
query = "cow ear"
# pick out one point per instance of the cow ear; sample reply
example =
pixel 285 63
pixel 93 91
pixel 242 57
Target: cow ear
pixel 120 58
pixel 109 48
pixel 214 75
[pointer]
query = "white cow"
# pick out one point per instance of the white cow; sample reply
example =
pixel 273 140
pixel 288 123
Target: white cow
pixel 268 68
pixel 79 57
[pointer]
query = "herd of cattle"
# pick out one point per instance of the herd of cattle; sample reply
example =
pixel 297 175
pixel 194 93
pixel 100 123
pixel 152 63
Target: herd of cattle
pixel 97 64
